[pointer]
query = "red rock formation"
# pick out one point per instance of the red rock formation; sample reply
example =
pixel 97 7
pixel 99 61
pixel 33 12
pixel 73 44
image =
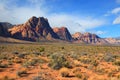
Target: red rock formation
pixel 88 38
pixel 33 29
pixel 63 33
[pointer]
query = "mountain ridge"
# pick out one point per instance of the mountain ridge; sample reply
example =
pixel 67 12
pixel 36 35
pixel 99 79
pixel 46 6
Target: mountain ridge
pixel 32 29
pixel 37 29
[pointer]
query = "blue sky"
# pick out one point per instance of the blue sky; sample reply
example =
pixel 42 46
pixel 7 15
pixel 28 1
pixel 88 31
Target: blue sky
pixel 101 17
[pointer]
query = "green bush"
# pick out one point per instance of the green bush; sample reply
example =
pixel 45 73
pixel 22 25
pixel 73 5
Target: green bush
pixel 117 63
pixel 79 75
pixel 3 56
pixel 58 61
pixel 20 73
pixel 86 61
pixel 95 63
pixel 41 49
pixel 109 57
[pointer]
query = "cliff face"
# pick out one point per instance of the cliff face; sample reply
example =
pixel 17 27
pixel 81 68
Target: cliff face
pixel 4 26
pixel 33 29
pixel 63 33
pixel 37 29
pixel 88 38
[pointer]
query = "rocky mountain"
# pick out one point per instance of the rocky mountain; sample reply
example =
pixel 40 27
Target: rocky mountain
pixel 4 26
pixel 63 33
pixel 113 40
pixel 34 29
pixel 37 29
pixel 87 38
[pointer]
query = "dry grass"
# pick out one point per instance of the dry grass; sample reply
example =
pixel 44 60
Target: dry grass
pixel 86 62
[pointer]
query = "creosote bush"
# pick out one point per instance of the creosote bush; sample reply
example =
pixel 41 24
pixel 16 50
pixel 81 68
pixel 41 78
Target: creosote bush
pixel 117 63
pixel 41 49
pixel 21 73
pixel 58 61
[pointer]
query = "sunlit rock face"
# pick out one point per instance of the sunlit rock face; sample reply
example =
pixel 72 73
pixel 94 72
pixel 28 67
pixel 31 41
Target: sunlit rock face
pixel 35 28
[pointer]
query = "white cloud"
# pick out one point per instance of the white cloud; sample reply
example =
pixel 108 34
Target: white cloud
pixel 117 20
pixel 116 10
pixel 98 32
pixel 20 14
pixel 73 23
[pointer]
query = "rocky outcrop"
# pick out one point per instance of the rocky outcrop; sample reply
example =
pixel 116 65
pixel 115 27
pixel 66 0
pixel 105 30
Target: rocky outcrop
pixel 63 33
pixel 112 40
pixel 34 29
pixel 4 26
pixel 37 29
pixel 88 38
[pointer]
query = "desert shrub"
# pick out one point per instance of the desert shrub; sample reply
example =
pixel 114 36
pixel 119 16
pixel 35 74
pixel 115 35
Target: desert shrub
pixel 86 60
pixel 90 67
pixel 79 75
pixel 58 61
pixel 62 48
pixel 10 62
pixel 38 78
pixel 2 47
pixel 42 61
pixel 110 74
pixel 3 56
pixel 21 73
pixel 38 53
pixel 21 55
pixel 117 63
pixel 41 49
pixel 116 56
pixel 32 62
pixel 84 53
pixel 3 65
pixel 15 52
pixel 29 63
pixel 100 70
pixel 64 72
pixel 85 78
pixel 109 57
pixel 118 76
pixel 74 56
pixel 18 61
pixel 43 75
pixel 77 70
pixel 95 63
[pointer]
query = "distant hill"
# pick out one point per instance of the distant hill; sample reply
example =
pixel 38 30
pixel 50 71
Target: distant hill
pixel 88 38
pixel 38 29
pixel 4 26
